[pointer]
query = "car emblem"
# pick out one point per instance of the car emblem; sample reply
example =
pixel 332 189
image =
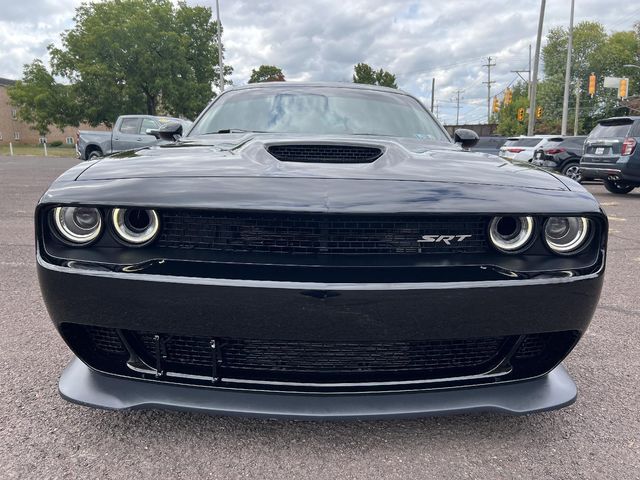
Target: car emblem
pixel 446 239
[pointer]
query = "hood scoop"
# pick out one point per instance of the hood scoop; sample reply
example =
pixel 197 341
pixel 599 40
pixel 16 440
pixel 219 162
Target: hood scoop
pixel 325 153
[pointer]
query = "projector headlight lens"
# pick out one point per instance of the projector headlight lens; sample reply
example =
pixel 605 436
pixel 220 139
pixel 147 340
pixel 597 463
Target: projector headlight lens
pixel 511 234
pixel 135 226
pixel 78 225
pixel 566 234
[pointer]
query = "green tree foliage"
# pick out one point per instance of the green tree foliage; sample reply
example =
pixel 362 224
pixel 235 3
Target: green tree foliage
pixel 131 56
pixel 267 73
pixel 593 51
pixel 508 124
pixel 363 73
pixel 40 100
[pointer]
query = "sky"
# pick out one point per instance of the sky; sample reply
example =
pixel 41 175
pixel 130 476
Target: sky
pixel 321 40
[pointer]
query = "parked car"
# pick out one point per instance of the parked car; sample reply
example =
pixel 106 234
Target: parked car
pixel 561 156
pixel 129 131
pixel 318 251
pixel 522 148
pixel 489 144
pixel 611 153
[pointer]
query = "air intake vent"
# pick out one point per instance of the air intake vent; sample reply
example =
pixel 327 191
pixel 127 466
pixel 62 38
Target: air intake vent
pixel 325 153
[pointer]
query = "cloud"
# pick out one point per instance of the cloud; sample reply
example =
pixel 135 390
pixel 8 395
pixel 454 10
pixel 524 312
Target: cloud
pixel 323 39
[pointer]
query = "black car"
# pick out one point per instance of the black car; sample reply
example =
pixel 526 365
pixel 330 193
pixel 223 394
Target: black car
pixel 611 154
pixel 318 251
pixel 561 156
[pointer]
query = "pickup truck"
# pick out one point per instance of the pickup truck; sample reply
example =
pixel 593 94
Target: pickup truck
pixel 129 132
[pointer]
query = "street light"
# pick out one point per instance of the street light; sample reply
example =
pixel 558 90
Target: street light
pixel 631 66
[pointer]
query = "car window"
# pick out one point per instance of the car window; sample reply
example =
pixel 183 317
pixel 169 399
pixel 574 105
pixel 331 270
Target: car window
pixel 611 130
pixel 320 111
pixel 527 142
pixel 146 124
pixel 129 125
pixel 510 142
pixel 552 144
pixel 635 132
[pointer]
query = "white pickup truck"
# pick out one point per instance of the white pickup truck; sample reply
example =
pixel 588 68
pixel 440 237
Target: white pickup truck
pixel 129 132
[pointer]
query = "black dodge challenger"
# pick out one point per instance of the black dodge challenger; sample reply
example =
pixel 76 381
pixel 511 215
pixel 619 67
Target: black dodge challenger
pixel 318 251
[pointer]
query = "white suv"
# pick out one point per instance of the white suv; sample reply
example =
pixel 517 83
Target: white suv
pixel 522 148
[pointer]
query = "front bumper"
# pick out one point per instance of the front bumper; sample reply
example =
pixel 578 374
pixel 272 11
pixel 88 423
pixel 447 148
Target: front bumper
pixel 79 384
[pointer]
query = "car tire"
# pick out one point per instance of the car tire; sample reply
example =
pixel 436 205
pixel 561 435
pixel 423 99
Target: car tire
pixel 617 187
pixel 95 154
pixel 572 170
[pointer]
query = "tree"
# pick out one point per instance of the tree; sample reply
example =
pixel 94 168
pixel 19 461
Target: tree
pixel 267 73
pixel 593 51
pixel 363 73
pixel 129 56
pixel 508 124
pixel 40 100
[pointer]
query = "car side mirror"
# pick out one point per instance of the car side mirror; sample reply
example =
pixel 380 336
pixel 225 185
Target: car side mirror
pixel 170 132
pixel 466 138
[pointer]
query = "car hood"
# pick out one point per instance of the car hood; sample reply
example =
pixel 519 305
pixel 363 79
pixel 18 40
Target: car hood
pixel 246 155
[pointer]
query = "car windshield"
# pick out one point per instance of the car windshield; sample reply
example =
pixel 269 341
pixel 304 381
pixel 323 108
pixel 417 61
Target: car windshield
pixel 323 111
pixel 611 130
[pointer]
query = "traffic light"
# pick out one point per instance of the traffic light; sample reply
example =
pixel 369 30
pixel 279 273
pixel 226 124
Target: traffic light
pixel 538 112
pixel 508 96
pixel 592 84
pixel 496 105
pixel 623 88
pixel 520 114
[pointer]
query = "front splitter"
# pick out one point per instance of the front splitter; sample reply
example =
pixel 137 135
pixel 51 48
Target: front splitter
pixel 79 384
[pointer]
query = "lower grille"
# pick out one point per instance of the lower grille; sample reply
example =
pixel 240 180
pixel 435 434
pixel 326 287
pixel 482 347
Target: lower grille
pixel 327 361
pixel 198 359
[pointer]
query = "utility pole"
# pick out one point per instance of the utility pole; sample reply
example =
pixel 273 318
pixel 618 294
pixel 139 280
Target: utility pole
pixel 458 107
pixel 576 125
pixel 529 82
pixel 433 92
pixel 534 79
pixel 567 75
pixel 489 82
pixel 220 65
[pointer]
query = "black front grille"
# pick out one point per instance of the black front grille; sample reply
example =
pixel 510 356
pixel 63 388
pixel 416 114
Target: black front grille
pixel 325 361
pixel 106 340
pixel 311 153
pixel 197 359
pixel 302 233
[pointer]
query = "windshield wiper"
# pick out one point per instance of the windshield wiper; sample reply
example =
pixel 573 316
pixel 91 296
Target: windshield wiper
pixel 235 130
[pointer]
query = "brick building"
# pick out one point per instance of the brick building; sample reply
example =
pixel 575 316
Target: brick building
pixel 14 130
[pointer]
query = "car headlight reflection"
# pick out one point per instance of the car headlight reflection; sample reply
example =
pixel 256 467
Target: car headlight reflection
pixel 135 226
pixel 510 234
pixel 78 225
pixel 566 234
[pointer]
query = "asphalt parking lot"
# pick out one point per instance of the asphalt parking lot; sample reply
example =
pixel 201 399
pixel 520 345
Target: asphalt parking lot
pixel 42 436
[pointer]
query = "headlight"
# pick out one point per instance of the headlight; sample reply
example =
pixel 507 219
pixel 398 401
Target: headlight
pixel 510 234
pixel 79 225
pixel 566 234
pixel 135 226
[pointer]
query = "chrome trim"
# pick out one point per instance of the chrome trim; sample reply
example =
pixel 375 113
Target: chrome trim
pixel 367 384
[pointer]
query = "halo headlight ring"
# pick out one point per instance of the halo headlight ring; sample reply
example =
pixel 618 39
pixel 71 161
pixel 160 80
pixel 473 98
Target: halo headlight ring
pixel 511 234
pixel 135 226
pixel 77 225
pixel 578 232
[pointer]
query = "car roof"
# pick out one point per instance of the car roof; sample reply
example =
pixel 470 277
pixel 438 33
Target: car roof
pixel 349 85
pixel 631 118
